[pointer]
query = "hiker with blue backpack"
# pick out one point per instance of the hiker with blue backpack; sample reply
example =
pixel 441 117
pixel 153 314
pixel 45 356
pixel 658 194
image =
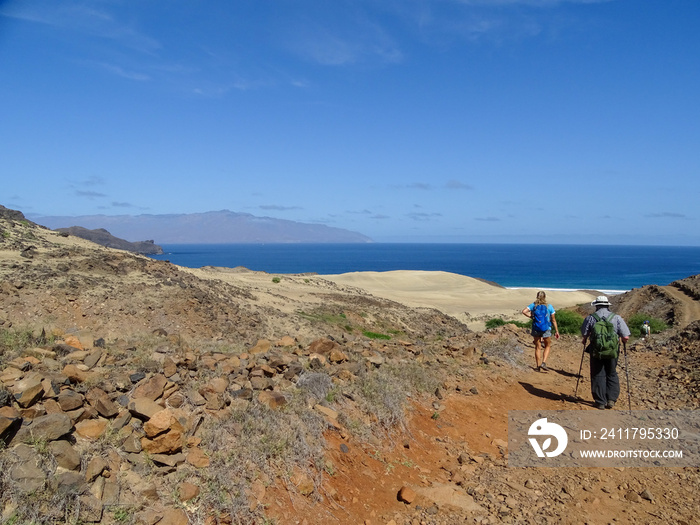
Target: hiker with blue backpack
pixel 605 330
pixel 542 315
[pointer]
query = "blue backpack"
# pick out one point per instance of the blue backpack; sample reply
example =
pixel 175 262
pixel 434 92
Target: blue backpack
pixel 540 318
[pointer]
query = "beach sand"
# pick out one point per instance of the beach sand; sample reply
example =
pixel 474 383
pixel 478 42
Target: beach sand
pixel 469 300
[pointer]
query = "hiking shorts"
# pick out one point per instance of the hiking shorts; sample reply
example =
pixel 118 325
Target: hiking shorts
pixel 537 333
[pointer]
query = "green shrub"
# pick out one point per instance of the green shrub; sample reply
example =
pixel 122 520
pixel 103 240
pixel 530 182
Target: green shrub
pixel 636 321
pixel 494 323
pixel 497 321
pixel 276 280
pixel 375 335
pixel 569 322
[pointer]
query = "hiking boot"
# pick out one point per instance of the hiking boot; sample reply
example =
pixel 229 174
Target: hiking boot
pixel 610 404
pixel 544 367
pixel 600 406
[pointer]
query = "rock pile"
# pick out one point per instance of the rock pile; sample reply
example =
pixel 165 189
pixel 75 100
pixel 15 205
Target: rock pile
pixel 100 413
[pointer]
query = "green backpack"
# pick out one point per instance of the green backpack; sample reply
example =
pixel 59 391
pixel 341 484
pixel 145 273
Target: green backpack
pixel 605 343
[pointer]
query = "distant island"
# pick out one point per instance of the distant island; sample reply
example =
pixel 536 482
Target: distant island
pixel 104 238
pixel 214 227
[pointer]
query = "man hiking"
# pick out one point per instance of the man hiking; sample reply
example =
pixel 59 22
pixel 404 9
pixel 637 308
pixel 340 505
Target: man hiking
pixel 542 315
pixel 604 329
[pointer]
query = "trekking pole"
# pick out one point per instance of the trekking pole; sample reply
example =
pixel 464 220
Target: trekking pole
pixel 627 373
pixel 579 370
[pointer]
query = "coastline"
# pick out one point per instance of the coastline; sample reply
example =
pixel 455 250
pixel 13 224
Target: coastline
pixel 570 267
pixel 600 290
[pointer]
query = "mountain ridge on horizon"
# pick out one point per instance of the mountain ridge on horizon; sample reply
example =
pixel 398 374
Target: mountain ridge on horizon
pixel 212 227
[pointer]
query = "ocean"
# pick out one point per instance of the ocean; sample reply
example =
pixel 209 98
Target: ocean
pixel 612 269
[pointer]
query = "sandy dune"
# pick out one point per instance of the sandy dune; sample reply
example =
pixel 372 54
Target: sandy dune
pixel 469 300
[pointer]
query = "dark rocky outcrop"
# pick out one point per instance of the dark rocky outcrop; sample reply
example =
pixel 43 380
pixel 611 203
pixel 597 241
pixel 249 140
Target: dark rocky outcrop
pixel 104 238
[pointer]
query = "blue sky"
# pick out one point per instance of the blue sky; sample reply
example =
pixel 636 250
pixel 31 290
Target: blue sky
pixel 405 120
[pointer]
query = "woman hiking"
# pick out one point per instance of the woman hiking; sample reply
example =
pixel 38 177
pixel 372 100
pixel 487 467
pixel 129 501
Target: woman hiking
pixel 542 315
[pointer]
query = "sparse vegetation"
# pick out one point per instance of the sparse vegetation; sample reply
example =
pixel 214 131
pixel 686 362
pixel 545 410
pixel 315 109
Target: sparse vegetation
pixel 375 335
pixel 506 349
pixel 256 441
pixel 276 280
pixel 495 322
pixel 636 321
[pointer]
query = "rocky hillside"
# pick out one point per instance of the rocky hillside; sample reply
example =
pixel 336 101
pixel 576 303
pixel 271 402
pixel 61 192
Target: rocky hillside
pixel 136 391
pixel 104 238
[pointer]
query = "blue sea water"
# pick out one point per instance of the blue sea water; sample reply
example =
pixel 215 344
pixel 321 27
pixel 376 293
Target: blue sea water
pixel 572 267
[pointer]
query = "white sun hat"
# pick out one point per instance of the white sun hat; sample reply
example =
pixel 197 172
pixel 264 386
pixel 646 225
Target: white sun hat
pixel 600 301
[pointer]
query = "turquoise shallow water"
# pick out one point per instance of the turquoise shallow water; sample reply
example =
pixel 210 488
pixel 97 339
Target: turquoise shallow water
pixel 609 268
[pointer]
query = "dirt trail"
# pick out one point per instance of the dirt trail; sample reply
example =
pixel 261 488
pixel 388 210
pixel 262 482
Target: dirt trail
pixel 690 307
pixel 459 446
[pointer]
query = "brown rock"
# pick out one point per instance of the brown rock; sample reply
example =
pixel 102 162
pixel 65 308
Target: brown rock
pixel 52 406
pixel 175 517
pixel 197 458
pixel 73 341
pixel 27 477
pixel 132 444
pixel 99 399
pixel 188 491
pixel 20 364
pixel 69 400
pixel 218 385
pixel 9 375
pixel 261 347
pixel 66 456
pixel 29 393
pixel 161 422
pixel 91 428
pixel 303 482
pixel 337 356
pixel 75 374
pixel 171 460
pixel 93 358
pixel 176 400
pixel 8 428
pixel 95 467
pixel 260 383
pixel 407 495
pixel 328 412
pixel 449 495
pixel 40 353
pixel 144 408
pixel 633 497
pixel 151 388
pixel 286 341
pixel 169 367
pixel 167 443
pixel 273 400
pixel 323 346
pixel 46 428
pixel 110 493
pixel 121 420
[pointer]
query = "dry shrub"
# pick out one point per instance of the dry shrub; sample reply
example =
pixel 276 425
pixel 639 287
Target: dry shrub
pixel 507 350
pixel 317 384
pixel 382 393
pixel 257 442
pixel 48 505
